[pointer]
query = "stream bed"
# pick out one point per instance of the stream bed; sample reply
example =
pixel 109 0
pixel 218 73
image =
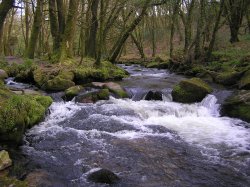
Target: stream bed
pixel 146 143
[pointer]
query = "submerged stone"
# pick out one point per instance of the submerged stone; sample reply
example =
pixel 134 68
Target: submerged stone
pixel 103 176
pixel 154 95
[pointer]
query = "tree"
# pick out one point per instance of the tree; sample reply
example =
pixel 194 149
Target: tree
pixel 124 35
pixel 235 10
pixel 5 6
pixel 35 30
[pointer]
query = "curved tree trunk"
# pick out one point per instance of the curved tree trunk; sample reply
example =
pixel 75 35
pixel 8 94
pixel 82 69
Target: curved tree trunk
pixel 124 36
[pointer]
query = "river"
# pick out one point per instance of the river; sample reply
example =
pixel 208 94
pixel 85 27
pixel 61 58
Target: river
pixel 146 143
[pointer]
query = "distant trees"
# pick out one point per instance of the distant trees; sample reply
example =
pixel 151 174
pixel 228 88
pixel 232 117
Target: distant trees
pixel 102 29
pixel 235 11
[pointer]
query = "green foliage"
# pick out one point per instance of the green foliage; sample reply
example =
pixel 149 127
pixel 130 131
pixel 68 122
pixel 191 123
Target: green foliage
pixel 19 112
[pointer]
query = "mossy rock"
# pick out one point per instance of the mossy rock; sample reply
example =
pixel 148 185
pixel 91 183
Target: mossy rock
pixel 106 71
pixel 158 64
pixel 228 78
pixel 19 112
pixel 245 81
pixel 113 87
pixel 58 84
pixel 71 92
pixel 191 90
pixel 3 74
pixel 93 97
pixel 237 105
pixel 43 74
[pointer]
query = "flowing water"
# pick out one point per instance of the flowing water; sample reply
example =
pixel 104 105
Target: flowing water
pixel 146 143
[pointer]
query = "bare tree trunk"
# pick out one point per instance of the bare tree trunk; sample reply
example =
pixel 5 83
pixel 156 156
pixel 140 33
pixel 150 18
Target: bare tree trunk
pixel 35 30
pixel 66 48
pixel 138 45
pixel 5 6
pixel 216 27
pixel 173 22
pixel 54 27
pixel 91 44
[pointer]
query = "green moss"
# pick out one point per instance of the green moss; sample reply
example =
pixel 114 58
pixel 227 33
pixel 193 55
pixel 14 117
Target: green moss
pixel 19 112
pixel 238 106
pixel 228 78
pixel 103 94
pixel 157 64
pixel 245 81
pixel 58 84
pixel 71 92
pixel 6 181
pixel 106 71
pixel 45 101
pixel 191 90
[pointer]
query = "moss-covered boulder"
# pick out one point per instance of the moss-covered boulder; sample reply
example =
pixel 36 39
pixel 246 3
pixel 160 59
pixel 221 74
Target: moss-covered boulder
pixel 52 78
pixel 19 112
pixel 113 87
pixel 238 105
pixel 245 81
pixel 58 84
pixel 93 97
pixel 229 78
pixel 106 71
pixel 71 92
pixel 191 90
pixel 5 160
pixel 157 64
pixel 3 74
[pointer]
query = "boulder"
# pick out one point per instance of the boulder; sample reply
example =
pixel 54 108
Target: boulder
pixel 38 178
pixel 237 105
pixel 190 91
pixel 19 112
pixel 71 92
pixel 58 84
pixel 154 95
pixel 5 160
pixel 3 74
pixel 227 78
pixel 113 87
pixel 93 97
pixel 103 176
pixel 245 81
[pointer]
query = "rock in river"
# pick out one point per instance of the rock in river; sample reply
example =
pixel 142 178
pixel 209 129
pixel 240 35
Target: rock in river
pixel 191 91
pixel 238 105
pixel 153 95
pixel 103 176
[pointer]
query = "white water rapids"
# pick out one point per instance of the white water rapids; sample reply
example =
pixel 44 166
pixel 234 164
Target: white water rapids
pixel 147 143
pixel 199 124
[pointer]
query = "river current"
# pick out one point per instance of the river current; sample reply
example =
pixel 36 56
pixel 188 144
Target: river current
pixel 146 143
